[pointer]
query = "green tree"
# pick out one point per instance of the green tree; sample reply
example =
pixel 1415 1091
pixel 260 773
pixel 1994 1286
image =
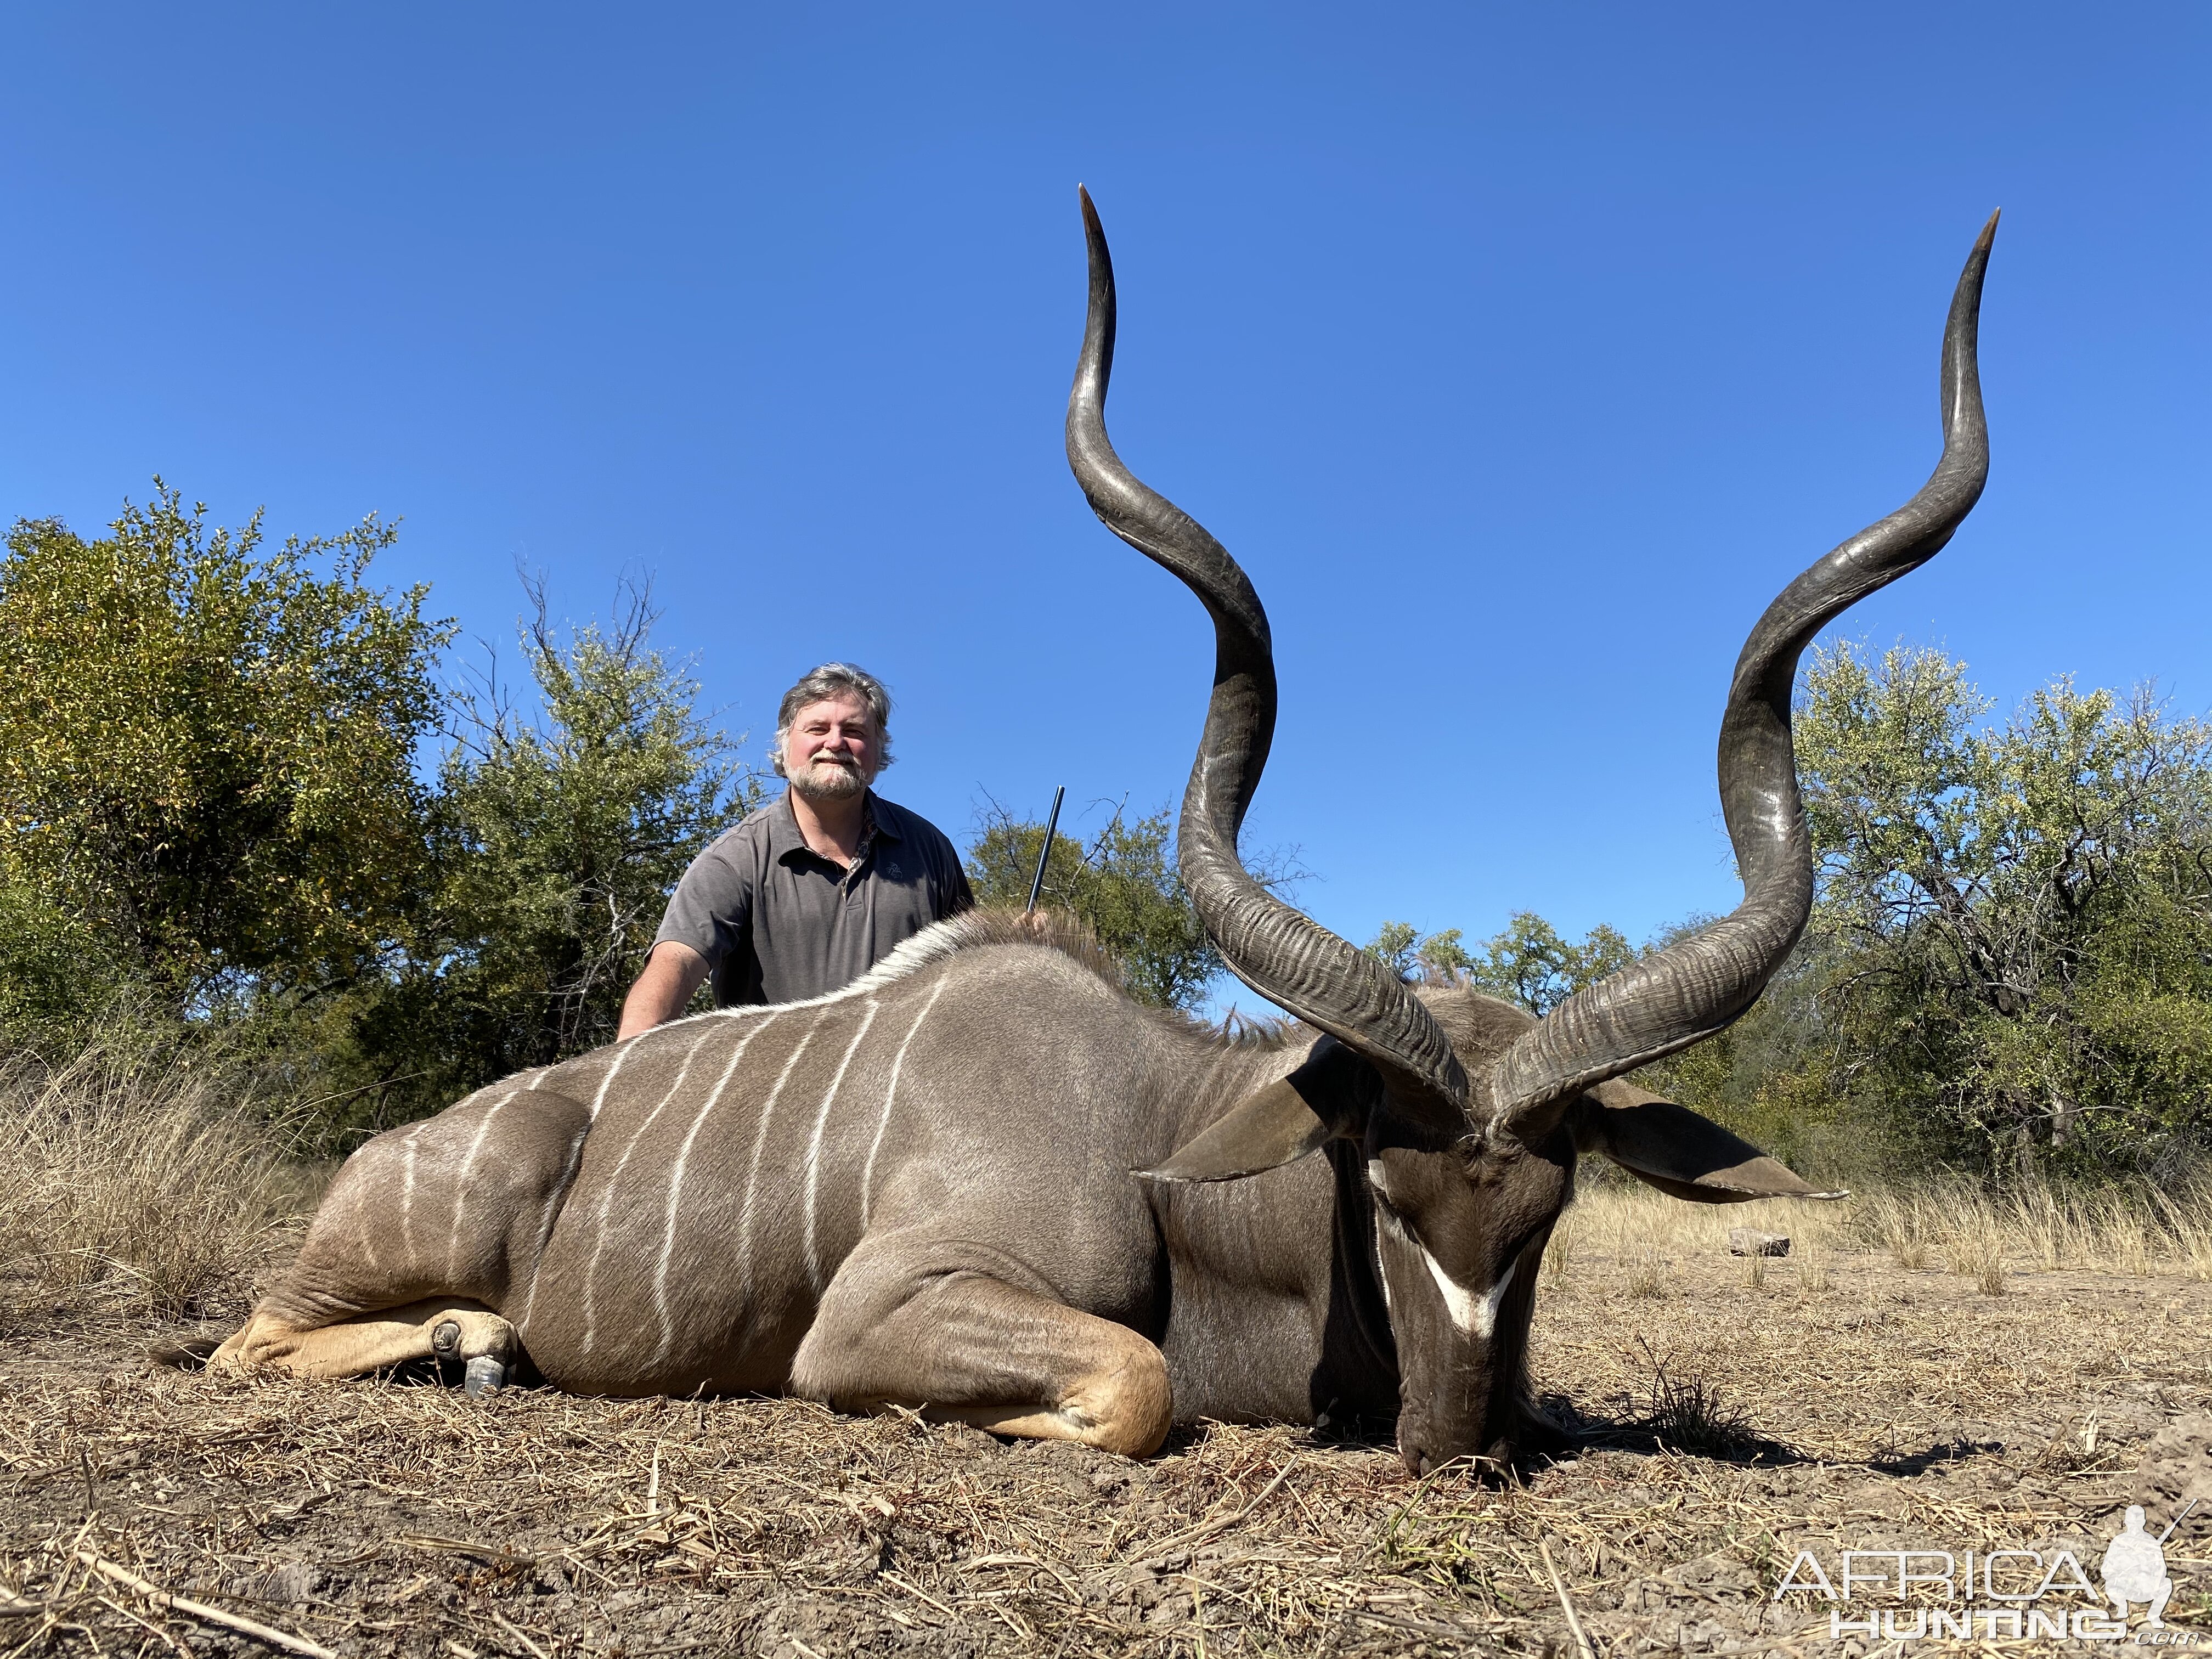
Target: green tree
pixel 47 958
pixel 1397 945
pixel 1529 963
pixel 561 832
pixel 1123 884
pixel 2015 922
pixel 1412 954
pixel 207 757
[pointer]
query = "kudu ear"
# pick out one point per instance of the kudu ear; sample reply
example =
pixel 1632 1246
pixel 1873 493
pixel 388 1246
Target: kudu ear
pixel 1672 1148
pixel 1278 1124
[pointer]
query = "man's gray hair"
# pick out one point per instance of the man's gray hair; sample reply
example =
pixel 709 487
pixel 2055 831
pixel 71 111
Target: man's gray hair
pixel 834 679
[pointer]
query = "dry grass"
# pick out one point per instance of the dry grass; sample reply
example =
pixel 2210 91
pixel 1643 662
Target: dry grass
pixel 1647 1274
pixel 1812 1274
pixel 128 1178
pixel 1720 1433
pixel 1728 1413
pixel 2136 1230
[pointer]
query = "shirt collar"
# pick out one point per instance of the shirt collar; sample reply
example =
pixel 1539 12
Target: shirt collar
pixel 784 839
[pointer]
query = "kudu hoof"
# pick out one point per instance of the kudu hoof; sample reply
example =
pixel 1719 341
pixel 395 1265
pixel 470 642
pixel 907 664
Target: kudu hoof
pixel 487 1374
pixel 452 1339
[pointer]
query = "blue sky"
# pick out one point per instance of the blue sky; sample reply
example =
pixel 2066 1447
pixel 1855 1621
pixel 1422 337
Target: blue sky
pixel 1521 353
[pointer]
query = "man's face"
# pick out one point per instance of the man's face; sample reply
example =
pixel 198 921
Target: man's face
pixel 833 751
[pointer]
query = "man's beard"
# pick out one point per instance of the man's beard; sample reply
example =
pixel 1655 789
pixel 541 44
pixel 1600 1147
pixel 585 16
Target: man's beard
pixel 827 781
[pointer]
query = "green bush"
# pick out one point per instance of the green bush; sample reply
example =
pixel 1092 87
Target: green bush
pixel 214 812
pixel 211 804
pixel 207 752
pixel 1123 884
pixel 2009 965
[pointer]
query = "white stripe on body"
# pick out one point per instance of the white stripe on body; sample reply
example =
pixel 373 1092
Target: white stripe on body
pixel 614 1180
pixel 407 1195
pixel 814 1145
pixel 676 1186
pixel 461 1185
pixel 891 1094
pixel 932 944
pixel 760 1141
pixel 363 1228
pixel 620 1054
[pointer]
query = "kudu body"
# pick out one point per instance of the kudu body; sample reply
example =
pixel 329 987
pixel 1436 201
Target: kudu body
pixel 982 1181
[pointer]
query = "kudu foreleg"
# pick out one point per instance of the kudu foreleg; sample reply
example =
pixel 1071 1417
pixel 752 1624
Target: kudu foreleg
pixel 444 1327
pixel 982 1342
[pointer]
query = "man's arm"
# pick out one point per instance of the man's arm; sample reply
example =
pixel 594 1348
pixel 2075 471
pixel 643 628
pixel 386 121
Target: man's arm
pixel 673 972
pixel 953 895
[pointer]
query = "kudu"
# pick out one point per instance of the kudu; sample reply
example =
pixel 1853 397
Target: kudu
pixel 982 1181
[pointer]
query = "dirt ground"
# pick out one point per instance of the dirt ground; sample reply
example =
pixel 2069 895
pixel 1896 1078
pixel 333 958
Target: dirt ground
pixel 1732 1414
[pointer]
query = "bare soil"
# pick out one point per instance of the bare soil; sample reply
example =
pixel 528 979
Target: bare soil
pixel 1726 1425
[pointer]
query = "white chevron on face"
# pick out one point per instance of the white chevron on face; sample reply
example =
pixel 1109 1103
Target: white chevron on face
pixel 1475 1314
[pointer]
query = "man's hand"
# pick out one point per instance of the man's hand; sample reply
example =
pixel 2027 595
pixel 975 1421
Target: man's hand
pixel 673 972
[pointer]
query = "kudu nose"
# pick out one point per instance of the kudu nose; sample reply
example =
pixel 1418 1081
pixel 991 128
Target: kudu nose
pixel 1421 1458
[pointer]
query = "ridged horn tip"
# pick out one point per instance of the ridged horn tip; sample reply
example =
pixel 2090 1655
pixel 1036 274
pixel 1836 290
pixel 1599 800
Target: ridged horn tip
pixel 1981 243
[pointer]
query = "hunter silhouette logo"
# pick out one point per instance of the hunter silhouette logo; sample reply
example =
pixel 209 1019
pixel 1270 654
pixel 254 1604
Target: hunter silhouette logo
pixel 2134 1567
pixel 2015 1594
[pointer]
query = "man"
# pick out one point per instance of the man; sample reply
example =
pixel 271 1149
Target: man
pixel 807 894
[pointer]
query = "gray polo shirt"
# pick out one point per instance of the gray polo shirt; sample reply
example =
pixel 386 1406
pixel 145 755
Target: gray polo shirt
pixel 778 922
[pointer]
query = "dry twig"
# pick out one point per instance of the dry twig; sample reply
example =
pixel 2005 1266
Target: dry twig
pixel 1566 1605
pixel 200 1610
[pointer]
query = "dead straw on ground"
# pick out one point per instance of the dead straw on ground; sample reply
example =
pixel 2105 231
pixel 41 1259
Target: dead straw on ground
pixel 1720 1431
pixel 1928 1364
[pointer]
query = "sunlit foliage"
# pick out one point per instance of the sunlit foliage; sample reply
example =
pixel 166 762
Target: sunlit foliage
pixel 207 753
pixel 1123 882
pixel 237 793
pixel 1529 963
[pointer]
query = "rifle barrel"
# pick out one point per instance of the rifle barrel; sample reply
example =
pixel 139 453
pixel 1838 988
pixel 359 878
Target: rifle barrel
pixel 1044 853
